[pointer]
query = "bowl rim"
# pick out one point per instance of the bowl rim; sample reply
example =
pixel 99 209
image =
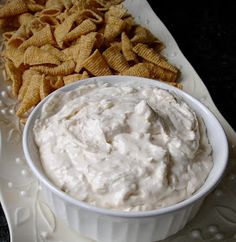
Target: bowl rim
pixel 197 196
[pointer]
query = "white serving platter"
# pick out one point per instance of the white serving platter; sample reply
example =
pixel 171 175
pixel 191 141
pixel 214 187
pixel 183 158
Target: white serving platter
pixel 31 220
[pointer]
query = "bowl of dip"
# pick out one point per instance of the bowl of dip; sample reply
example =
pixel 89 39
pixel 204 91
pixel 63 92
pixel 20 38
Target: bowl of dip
pixel 124 159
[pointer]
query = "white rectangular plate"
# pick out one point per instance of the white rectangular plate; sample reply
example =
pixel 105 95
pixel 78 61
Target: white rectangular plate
pixel 30 219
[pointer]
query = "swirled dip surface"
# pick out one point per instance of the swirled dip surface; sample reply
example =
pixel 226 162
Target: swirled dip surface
pixel 105 145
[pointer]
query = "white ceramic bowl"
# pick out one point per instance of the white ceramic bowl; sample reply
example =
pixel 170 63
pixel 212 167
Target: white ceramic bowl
pixel 117 226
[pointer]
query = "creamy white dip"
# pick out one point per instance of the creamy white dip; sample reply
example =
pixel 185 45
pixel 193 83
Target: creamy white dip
pixel 105 145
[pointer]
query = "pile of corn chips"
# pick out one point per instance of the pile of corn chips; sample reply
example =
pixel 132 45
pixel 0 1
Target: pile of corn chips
pixel 50 43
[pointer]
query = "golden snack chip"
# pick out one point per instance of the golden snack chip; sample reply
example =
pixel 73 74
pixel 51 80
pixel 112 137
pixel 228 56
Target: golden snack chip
pixel 71 78
pixel 86 45
pixel 117 11
pixel 15 74
pixel 175 84
pixel 147 53
pixel 97 65
pixel 160 73
pixel 24 86
pixel 117 44
pixel 89 14
pixel 138 70
pixel 34 7
pixel 67 4
pixel 55 81
pixel 108 4
pixel 35 25
pixel 113 28
pixel 75 8
pixel 54 4
pixel 142 35
pixel 72 52
pixel 63 29
pixel 99 40
pixel 36 56
pixel 84 75
pixel 85 27
pixel 130 23
pixel 23 120
pixel 25 18
pixel 7 35
pixel 27 77
pixel 54 51
pixel 75 77
pixel 19 36
pixel 51 12
pixel 63 69
pixel 115 59
pixel 157 45
pixel 45 88
pixel 127 48
pixel 47 19
pixel 42 37
pixel 32 95
pixel 15 55
pixel 13 8
pixel 150 55
pixel 166 65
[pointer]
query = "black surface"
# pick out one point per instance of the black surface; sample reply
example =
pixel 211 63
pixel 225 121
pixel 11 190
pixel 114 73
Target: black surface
pixel 4 231
pixel 205 32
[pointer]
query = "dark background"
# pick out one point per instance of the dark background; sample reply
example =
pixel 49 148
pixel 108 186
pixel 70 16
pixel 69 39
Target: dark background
pixel 206 34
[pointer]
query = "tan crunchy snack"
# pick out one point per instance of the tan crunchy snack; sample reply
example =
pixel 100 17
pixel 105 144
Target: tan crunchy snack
pixel 51 43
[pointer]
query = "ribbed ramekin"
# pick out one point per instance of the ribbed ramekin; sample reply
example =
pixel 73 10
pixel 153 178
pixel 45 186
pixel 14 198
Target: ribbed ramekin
pixel 107 225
